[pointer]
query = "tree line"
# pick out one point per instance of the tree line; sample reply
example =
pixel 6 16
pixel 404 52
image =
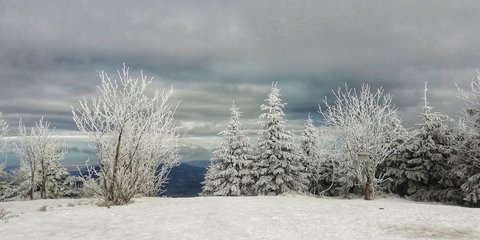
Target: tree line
pixel 359 148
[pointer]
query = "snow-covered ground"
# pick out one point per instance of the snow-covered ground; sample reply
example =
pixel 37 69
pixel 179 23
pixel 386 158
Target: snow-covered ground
pixel 285 217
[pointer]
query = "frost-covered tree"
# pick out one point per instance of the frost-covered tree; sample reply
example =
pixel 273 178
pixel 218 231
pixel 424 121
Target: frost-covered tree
pixel 134 134
pixel 310 157
pixel 40 156
pixel 277 160
pixel 230 172
pixel 423 169
pixel 366 122
pixel 392 167
pixel 468 164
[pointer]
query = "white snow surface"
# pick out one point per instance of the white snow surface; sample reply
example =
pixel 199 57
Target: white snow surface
pixel 283 217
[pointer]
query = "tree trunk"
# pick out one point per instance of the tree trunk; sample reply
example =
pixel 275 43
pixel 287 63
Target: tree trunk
pixel 115 166
pixel 43 189
pixel 32 180
pixel 32 189
pixel 368 171
pixel 368 189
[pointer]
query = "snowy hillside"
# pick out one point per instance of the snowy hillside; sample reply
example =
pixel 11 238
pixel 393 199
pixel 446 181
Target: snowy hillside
pixel 287 217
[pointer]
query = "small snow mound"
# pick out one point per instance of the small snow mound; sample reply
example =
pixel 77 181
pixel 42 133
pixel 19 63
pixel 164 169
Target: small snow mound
pixel 433 232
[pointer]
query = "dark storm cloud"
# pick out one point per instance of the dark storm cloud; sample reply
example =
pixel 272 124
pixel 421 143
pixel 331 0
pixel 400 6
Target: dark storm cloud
pixel 213 52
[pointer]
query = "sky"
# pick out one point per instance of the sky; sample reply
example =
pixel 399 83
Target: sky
pixel 214 52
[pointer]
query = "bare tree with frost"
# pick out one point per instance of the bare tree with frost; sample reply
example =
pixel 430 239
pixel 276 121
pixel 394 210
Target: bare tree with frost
pixel 277 161
pixel 40 156
pixel 367 122
pixel 134 134
pixel 230 171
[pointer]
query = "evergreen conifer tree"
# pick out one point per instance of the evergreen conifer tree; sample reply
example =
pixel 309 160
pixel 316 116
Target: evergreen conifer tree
pixel 230 172
pixel 310 158
pixel 423 171
pixel 277 161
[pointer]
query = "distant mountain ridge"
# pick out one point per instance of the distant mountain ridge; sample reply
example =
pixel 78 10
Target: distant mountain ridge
pixel 186 179
pixel 198 163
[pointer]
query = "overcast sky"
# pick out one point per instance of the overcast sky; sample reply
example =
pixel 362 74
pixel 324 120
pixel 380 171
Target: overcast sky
pixel 213 52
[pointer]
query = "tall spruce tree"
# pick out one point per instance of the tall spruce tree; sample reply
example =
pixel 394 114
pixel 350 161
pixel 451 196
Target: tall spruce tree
pixel 277 161
pixel 423 171
pixel 310 157
pixel 230 172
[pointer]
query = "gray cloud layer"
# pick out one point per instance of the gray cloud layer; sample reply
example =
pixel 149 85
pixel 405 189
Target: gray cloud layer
pixel 212 52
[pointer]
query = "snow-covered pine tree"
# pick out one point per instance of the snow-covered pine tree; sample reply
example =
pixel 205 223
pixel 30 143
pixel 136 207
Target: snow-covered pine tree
pixel 467 167
pixel 310 158
pixel 230 172
pixel 423 172
pixel 277 160
pixel 393 169
pixel 389 168
pixel 59 183
pixel 213 180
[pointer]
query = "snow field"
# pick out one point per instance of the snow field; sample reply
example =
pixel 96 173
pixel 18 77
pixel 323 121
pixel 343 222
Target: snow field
pixel 284 217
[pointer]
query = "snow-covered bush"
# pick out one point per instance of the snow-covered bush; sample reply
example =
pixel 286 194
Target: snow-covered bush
pixel 5 181
pixel 277 159
pixel 366 122
pixel 5 214
pixel 134 134
pixel 230 171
